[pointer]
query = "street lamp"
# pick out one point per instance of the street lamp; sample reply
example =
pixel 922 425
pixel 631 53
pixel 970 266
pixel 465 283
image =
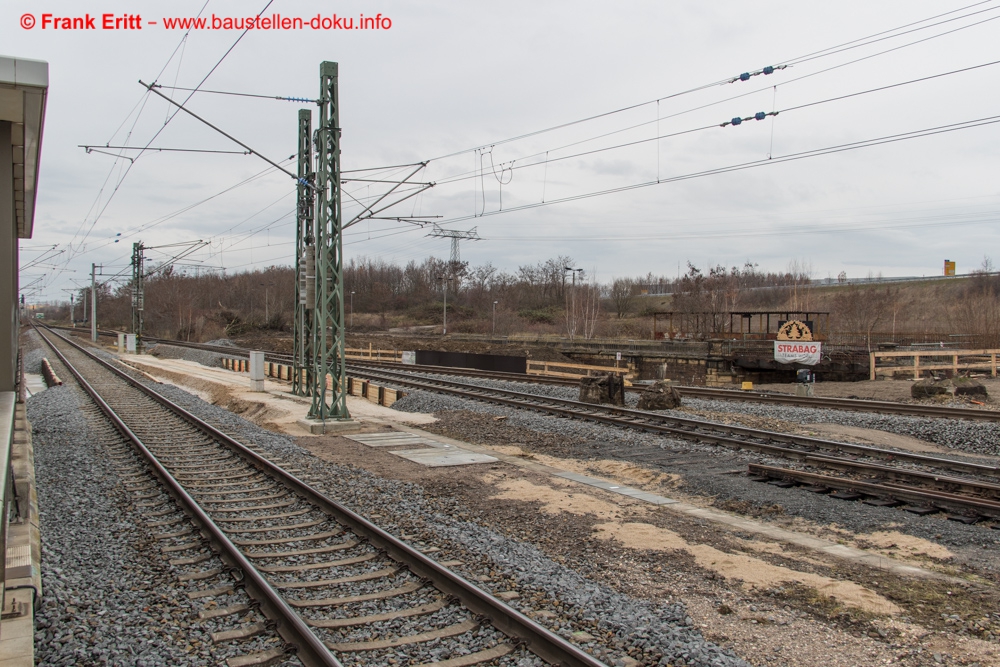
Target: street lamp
pixel 444 281
pixel 495 317
pixel 572 302
pixel 352 309
pixel 267 315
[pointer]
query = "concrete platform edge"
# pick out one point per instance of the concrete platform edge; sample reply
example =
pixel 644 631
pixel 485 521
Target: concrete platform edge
pixel 23 588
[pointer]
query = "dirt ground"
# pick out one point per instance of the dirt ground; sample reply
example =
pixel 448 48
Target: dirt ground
pixel 879 390
pixel 772 603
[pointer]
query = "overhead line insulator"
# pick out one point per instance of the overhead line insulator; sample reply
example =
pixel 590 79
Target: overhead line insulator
pixel 760 115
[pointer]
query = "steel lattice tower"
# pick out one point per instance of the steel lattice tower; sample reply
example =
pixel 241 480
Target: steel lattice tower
pixel 455 235
pixel 138 291
pixel 329 381
pixel 305 256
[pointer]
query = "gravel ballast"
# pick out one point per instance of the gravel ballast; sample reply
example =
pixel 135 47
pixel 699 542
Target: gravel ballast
pixel 664 628
pixel 973 437
pixel 596 441
pixel 109 596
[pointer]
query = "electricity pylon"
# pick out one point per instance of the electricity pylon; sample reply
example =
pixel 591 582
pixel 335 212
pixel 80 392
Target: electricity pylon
pixel 455 236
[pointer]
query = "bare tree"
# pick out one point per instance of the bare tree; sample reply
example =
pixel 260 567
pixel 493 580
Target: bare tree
pixel 861 309
pixel 622 293
pixel 979 305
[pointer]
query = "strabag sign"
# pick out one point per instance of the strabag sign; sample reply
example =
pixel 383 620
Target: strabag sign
pixel 803 352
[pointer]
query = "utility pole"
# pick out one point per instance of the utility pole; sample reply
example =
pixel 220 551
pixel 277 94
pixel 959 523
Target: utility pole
pixel 72 308
pixel 444 281
pixel 305 257
pixel 93 302
pixel 83 299
pixel 495 318
pixel 329 403
pixel 138 293
pixel 572 297
pixel 352 309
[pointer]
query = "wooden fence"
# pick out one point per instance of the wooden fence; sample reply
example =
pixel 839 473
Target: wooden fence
pixel 567 370
pixel 956 360
pixel 373 354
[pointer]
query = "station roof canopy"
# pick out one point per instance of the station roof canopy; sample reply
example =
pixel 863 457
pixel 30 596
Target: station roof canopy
pixel 24 87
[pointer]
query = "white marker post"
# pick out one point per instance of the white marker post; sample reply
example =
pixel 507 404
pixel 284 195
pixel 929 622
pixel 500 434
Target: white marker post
pixel 256 371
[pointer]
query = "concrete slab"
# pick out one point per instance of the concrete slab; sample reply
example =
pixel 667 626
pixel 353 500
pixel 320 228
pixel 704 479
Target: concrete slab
pixel 429 451
pixel 437 458
pixel 638 494
pixel 395 440
pixel 34 383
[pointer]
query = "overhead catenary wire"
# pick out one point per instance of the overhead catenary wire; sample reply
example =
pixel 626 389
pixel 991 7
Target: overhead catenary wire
pixel 140 105
pixel 476 174
pixel 953 127
pixel 857 43
pixel 701 128
pixel 170 118
pixel 916 23
pixel 225 92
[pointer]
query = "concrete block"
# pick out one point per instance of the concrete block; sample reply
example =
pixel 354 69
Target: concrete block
pixel 331 426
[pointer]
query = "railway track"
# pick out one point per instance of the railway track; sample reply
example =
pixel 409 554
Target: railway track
pixel 849 404
pixel 817 402
pixel 333 585
pixel 924 482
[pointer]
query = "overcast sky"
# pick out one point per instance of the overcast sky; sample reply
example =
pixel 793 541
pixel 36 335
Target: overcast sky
pixel 458 79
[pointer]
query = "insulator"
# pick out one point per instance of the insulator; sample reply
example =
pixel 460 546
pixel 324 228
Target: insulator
pixel 736 121
pixel 768 70
pixel 760 115
pixel 745 76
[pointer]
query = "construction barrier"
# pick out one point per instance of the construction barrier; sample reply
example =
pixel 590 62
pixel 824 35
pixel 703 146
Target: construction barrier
pixel 982 360
pixel 373 354
pixel 567 370
pixel 355 387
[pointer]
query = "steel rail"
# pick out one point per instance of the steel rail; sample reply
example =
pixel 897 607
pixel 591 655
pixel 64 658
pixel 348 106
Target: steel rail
pixel 937 499
pixel 309 648
pixel 886 473
pixel 817 402
pixel 539 640
pixel 773 398
pixel 688 429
